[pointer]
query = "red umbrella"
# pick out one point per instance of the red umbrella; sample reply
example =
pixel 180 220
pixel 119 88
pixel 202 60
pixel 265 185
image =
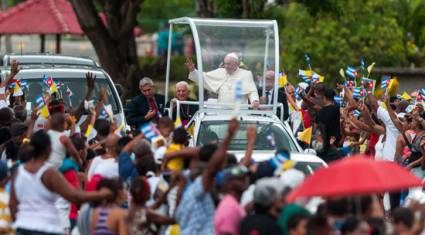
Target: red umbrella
pixel 355 175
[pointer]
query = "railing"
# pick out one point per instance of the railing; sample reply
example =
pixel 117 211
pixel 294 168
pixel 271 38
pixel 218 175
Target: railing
pixel 226 108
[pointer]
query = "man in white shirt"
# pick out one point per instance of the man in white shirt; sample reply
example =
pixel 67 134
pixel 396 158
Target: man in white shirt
pixel 223 81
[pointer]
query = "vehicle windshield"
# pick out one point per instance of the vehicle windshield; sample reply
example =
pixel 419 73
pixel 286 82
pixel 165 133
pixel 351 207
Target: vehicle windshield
pixel 36 86
pixel 253 44
pixel 270 136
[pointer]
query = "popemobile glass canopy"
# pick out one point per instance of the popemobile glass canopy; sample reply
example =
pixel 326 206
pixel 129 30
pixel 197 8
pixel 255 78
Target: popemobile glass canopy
pixel 256 42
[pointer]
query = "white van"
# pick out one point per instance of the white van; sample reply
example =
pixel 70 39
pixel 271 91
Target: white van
pixel 71 72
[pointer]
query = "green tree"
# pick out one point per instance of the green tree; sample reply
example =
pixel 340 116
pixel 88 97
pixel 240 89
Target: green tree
pixel 358 29
pixel 411 17
pixel 156 13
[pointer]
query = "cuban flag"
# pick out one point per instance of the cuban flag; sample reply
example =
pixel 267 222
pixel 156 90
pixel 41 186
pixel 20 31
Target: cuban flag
pixel 349 84
pixel 385 82
pixel 48 80
pixel 297 93
pixel 338 99
pixel 22 83
pixel 351 72
pixel 356 113
pixel 371 84
pixel 150 131
pixel 40 101
pixel 59 84
pixel 359 92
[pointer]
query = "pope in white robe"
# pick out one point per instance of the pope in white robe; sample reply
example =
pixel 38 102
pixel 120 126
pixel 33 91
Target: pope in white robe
pixel 222 81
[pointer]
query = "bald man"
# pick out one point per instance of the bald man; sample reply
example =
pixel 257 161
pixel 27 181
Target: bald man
pixel 268 97
pixel 222 81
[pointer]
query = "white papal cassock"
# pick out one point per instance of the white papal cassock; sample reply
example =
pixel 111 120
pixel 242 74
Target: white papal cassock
pixel 224 84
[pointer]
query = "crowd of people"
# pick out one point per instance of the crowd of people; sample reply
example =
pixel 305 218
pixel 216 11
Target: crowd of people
pixel 56 180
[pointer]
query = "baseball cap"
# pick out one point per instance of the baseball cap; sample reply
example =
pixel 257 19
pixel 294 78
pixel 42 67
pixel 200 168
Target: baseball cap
pixel 234 172
pixel 267 190
pixel 230 173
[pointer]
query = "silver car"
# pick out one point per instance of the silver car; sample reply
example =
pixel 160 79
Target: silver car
pixel 75 80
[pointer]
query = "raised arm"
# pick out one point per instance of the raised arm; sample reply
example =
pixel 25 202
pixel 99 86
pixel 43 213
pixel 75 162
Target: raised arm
pixel 14 69
pixel 375 128
pixel 90 81
pixel 251 135
pixel 308 101
pixel 349 96
pixel 393 116
pixel 214 165
pixel 57 183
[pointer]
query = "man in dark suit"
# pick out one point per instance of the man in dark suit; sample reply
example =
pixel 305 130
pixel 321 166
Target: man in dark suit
pixel 146 107
pixel 268 97
pixel 186 111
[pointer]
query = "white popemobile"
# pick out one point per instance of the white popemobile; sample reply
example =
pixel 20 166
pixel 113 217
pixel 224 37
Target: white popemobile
pixel 256 42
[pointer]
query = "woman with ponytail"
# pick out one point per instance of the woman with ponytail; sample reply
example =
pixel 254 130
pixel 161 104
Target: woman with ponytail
pixel 36 187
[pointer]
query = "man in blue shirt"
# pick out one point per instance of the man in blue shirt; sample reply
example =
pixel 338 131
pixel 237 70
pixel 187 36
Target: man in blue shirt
pixel 195 214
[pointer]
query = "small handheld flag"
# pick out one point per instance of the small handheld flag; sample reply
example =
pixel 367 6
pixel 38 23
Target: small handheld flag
pixel 40 101
pixel 349 84
pixel 305 73
pixel 342 73
pixel 150 131
pixel 351 72
pixel 369 69
pixel 282 79
pixel 305 135
pixel 405 96
pixel 356 113
pixel 338 99
pixel 359 92
pixel 69 92
pixel 50 83
pixel 385 82
pixel 178 122
pixel 371 84
pixel 17 91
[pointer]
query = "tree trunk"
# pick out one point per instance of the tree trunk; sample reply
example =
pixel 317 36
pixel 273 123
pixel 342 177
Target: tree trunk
pixel 204 8
pixel 114 41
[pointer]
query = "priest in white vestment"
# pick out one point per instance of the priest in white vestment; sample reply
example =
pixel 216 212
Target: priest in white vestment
pixel 222 81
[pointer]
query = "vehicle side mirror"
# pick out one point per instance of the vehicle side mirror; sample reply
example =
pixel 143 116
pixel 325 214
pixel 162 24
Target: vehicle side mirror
pixel 310 151
pixel 120 89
